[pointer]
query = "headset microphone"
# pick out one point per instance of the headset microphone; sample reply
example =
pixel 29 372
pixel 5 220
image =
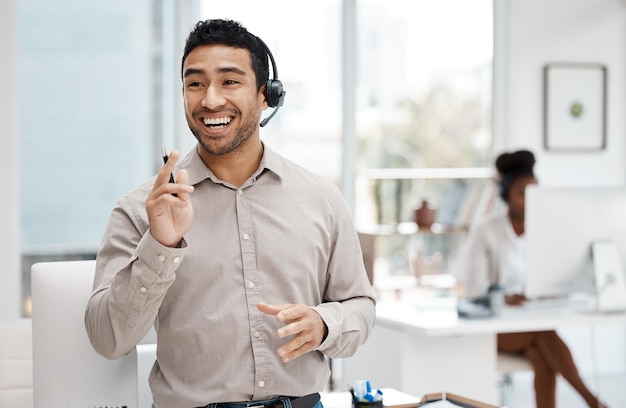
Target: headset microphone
pixel 267 119
pixel 274 92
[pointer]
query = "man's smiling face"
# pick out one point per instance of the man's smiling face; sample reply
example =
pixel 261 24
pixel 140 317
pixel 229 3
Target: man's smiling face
pixel 222 104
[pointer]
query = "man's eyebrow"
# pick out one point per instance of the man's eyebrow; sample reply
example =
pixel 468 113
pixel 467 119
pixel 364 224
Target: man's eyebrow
pixel 192 71
pixel 197 71
pixel 234 70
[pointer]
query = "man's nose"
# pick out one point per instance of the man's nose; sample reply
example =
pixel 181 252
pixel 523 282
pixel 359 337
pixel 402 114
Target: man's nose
pixel 213 98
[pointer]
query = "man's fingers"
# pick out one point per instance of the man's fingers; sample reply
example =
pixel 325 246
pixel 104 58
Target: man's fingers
pixel 295 348
pixel 182 184
pixel 163 176
pixel 272 309
pixel 163 184
pixel 290 329
pixel 182 177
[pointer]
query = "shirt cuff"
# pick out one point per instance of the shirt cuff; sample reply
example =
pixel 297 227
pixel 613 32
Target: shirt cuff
pixel 332 325
pixel 159 258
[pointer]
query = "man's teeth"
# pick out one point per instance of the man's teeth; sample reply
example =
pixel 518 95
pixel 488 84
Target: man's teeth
pixel 216 122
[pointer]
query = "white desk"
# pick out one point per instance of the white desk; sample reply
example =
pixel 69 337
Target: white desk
pixel 423 351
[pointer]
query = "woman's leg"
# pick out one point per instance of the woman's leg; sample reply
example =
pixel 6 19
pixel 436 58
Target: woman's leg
pixel 515 343
pixel 559 358
pixel 549 355
pixel 545 377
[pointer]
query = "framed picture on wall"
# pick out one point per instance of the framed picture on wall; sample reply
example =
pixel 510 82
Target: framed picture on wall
pixel 574 107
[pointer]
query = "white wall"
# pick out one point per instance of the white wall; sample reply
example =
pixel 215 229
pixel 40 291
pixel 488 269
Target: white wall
pixel 539 32
pixel 10 285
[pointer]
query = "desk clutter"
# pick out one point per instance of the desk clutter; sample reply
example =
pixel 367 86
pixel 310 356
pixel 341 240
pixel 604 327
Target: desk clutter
pixel 392 398
pixel 363 396
pixel 439 294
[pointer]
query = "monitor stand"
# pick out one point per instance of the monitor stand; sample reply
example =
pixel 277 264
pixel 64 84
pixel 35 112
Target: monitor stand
pixel 609 277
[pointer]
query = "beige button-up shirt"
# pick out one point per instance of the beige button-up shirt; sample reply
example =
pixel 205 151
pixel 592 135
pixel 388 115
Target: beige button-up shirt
pixel 285 236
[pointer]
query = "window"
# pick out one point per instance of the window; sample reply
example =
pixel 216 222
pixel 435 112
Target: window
pixel 86 125
pixel 423 98
pixel 423 128
pixel 305 40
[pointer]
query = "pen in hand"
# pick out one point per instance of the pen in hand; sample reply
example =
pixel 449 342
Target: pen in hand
pixel 165 157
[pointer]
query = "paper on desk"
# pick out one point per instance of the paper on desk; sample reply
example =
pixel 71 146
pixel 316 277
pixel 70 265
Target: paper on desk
pixel 440 404
pixel 393 398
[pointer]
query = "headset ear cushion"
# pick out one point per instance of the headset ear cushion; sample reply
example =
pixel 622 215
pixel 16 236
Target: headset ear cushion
pixel 274 93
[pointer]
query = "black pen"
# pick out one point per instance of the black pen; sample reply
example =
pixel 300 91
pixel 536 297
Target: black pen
pixel 165 157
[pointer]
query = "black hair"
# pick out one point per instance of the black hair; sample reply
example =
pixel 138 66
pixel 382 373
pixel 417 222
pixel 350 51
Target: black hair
pixel 512 166
pixel 233 34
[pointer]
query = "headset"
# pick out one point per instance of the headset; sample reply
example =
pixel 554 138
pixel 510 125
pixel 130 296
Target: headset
pixel 274 91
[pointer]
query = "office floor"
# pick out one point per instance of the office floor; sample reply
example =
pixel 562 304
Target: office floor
pixel 611 390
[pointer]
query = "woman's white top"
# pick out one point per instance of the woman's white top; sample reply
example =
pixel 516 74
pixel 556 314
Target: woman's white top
pixel 493 254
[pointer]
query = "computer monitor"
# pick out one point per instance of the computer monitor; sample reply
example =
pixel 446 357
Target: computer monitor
pixel 67 371
pixel 562 227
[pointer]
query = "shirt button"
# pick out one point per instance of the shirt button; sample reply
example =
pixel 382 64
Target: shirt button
pixel 256 334
pixel 261 383
pixel 176 259
pixel 240 191
pixel 161 258
pixel 246 236
pixel 143 289
pixel 250 284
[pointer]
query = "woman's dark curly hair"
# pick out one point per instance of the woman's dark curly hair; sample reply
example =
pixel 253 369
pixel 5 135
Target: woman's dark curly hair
pixel 513 165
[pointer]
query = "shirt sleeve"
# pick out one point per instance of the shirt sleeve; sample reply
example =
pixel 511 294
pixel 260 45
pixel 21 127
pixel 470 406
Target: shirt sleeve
pixel 349 309
pixel 133 274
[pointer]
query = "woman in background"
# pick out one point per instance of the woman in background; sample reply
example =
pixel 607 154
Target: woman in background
pixel 496 257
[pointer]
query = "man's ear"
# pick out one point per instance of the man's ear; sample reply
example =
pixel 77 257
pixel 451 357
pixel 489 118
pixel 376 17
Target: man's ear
pixel 262 98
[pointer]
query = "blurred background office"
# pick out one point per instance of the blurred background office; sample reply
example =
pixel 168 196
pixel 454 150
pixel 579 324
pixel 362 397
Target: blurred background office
pixel 394 100
pixel 371 84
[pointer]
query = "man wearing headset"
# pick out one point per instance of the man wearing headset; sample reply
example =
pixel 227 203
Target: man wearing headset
pixel 247 265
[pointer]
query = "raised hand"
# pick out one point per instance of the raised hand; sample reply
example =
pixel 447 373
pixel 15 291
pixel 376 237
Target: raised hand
pixel 170 215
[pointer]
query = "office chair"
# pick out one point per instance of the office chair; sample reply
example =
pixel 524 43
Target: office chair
pixel 67 371
pixel 509 364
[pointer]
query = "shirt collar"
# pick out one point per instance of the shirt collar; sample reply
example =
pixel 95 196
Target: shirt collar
pixel 198 171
